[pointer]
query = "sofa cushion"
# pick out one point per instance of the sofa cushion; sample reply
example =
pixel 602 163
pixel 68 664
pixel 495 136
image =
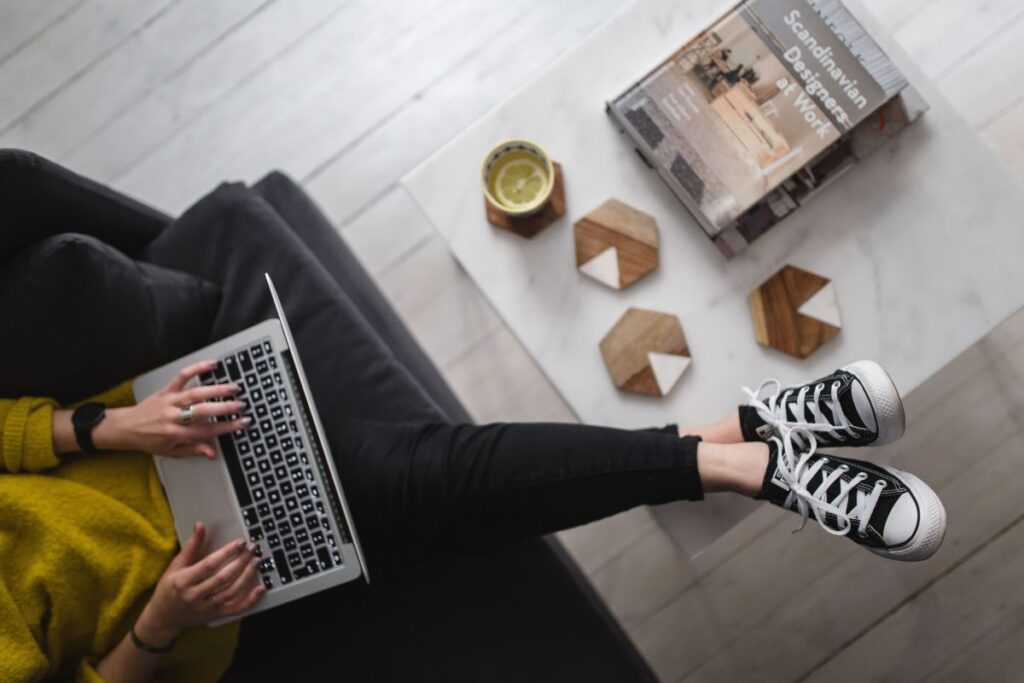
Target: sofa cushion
pixel 80 316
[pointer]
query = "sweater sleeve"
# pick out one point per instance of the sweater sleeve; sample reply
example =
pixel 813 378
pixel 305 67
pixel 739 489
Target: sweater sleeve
pixel 26 434
pixel 26 429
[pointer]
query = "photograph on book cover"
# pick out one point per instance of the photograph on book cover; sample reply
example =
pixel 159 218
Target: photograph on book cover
pixel 754 99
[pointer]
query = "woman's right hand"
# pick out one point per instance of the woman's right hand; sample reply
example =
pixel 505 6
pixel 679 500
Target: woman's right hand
pixel 195 590
pixel 154 425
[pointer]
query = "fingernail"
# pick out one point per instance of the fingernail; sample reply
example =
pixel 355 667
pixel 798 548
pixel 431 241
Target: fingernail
pixel 242 405
pixel 253 548
pixel 195 527
pixel 211 363
pixel 235 388
pixel 246 421
pixel 239 546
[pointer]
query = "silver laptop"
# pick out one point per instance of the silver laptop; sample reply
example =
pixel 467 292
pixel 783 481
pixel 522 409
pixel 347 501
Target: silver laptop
pixel 274 483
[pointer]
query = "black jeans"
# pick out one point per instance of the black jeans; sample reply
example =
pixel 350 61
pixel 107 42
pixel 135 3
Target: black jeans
pixel 418 488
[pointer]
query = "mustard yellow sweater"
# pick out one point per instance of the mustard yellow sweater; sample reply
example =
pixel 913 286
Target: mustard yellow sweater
pixel 83 540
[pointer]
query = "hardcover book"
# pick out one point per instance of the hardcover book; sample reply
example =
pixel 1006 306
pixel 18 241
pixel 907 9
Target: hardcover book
pixel 756 114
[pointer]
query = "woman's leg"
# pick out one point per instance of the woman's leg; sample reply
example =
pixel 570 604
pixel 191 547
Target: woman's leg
pixel 416 487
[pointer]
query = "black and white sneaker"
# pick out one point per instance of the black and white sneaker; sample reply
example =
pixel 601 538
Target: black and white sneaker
pixel 890 512
pixel 857 405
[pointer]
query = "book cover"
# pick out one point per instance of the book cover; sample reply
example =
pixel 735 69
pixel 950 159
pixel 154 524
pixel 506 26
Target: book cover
pixel 755 107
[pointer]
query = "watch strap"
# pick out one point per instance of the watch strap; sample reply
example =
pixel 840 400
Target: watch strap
pixel 83 430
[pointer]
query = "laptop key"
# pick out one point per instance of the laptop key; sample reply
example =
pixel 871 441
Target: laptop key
pixel 281 562
pixel 263 510
pixel 307 550
pixel 227 448
pixel 232 367
pixel 274 541
pixel 325 558
pixel 248 516
pixel 245 361
pixel 301 535
pixel 268 582
pixel 290 544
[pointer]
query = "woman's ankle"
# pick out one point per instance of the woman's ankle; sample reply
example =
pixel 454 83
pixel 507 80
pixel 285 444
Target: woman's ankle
pixel 739 468
pixel 725 431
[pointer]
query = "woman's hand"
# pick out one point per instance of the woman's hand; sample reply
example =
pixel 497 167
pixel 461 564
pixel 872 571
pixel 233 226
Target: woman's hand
pixel 194 591
pixel 155 426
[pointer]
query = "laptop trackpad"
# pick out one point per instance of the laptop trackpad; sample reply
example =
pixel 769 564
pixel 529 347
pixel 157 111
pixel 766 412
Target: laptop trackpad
pixel 199 490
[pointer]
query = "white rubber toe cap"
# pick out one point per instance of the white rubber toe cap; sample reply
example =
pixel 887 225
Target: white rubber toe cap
pixel 902 521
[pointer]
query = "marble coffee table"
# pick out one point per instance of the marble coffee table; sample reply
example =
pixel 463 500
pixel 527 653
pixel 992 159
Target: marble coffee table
pixel 923 242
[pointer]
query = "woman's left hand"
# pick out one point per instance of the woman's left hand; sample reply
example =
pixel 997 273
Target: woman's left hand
pixel 156 424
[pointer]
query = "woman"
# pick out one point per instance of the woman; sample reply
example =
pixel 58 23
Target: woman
pixel 91 581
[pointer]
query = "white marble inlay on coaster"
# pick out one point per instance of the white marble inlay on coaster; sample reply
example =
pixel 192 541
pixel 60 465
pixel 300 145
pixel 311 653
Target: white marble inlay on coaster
pixel 823 306
pixel 668 368
pixel 604 267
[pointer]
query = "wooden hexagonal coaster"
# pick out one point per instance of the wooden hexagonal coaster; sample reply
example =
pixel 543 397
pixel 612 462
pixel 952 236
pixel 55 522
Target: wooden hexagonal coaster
pixel 528 226
pixel 646 352
pixel 795 311
pixel 616 244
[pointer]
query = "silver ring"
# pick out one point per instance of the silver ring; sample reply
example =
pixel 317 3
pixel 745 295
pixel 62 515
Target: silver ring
pixel 186 415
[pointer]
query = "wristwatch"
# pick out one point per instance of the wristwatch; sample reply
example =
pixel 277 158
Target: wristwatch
pixel 84 420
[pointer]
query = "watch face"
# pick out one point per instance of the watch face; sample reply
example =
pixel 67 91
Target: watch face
pixel 89 414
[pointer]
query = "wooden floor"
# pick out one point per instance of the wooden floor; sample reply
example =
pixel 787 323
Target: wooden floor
pixel 165 98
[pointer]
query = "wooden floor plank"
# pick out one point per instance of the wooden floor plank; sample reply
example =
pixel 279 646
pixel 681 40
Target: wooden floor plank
pixel 643 578
pixel 499 382
pixel 970 84
pixel 21 21
pixel 245 52
pixel 138 66
pixel 1006 135
pixel 374 161
pixel 822 616
pixel 67 49
pixel 995 656
pixel 387 231
pixel 436 299
pixel 326 107
pixel 944 32
pixel 915 642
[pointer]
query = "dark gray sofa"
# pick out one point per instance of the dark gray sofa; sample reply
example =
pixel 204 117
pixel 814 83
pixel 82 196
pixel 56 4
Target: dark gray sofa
pixel 520 613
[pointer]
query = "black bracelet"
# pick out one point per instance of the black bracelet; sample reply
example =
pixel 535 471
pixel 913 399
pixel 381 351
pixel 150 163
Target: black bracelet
pixel 146 647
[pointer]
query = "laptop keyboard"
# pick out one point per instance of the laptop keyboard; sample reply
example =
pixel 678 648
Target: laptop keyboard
pixel 286 514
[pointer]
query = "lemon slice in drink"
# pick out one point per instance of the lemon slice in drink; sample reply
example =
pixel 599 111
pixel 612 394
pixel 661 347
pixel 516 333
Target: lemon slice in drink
pixel 520 183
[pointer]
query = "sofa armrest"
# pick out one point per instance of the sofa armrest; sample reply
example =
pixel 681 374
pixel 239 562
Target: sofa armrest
pixel 41 199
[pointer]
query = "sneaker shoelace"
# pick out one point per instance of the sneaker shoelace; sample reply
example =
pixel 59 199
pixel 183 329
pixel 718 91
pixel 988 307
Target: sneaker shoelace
pixel 798 472
pixel 773 410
